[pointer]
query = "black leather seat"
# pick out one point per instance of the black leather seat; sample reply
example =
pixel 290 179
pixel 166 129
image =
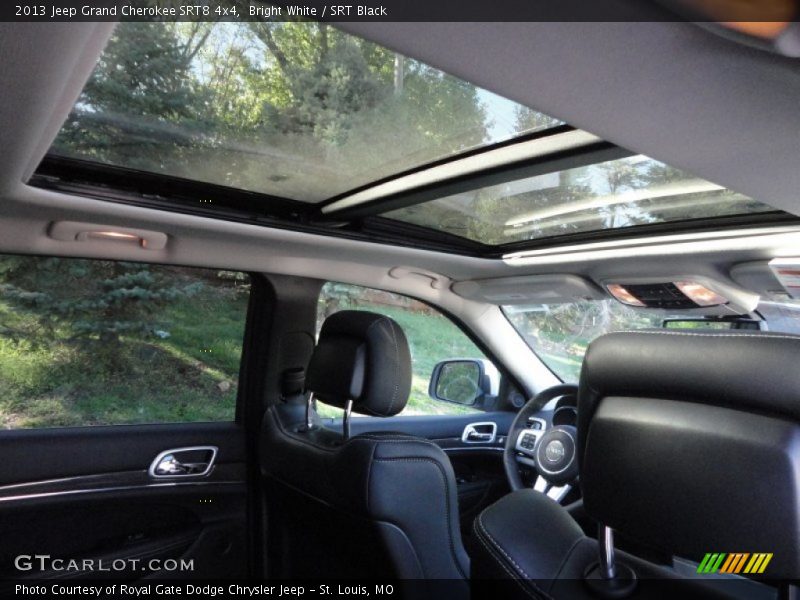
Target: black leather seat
pixel 375 505
pixel 688 443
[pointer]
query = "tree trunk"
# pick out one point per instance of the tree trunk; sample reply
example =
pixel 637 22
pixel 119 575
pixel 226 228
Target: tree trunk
pixel 399 74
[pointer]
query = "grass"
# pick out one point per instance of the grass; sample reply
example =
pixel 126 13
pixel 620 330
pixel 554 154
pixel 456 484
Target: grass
pixel 49 379
pixel 189 376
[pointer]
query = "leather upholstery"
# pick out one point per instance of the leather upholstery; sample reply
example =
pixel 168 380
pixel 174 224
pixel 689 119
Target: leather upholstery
pixel 363 357
pixel 755 372
pixel 513 521
pixel 378 504
pixel 529 547
pixel 688 438
pixel 688 443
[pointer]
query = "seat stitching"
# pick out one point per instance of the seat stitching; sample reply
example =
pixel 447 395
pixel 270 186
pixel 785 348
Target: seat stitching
pixel 488 535
pixel 369 472
pixel 499 560
pixel 447 491
pixel 513 562
pixel 566 557
pixel 508 571
pixel 373 324
pixel 396 368
pixel 491 551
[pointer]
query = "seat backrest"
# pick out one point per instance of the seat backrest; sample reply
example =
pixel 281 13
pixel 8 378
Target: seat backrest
pixel 690 442
pixel 376 504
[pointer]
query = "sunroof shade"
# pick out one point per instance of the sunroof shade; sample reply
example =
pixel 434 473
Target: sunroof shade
pixel 610 195
pixel 297 110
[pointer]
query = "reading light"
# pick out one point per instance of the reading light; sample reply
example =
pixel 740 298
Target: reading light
pixel 74 231
pixel 113 235
pixel 116 236
pixel 700 294
pixel 623 295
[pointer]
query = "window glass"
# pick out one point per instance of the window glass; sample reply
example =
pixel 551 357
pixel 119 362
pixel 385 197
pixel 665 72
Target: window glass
pixel 560 333
pixel 299 110
pixel 615 194
pixel 100 343
pixel 431 336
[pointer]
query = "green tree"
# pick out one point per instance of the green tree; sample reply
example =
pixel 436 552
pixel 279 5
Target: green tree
pixel 140 105
pixel 90 300
pixel 527 119
pixel 320 79
pixel 293 108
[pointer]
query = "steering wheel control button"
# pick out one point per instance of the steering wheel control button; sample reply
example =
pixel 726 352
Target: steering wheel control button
pixel 556 455
pixel 535 424
pixel 527 441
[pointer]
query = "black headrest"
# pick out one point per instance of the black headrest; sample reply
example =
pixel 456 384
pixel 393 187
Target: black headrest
pixel 691 442
pixel 363 357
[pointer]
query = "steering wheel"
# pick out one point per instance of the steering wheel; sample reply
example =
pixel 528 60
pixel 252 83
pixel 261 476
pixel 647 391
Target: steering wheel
pixel 551 451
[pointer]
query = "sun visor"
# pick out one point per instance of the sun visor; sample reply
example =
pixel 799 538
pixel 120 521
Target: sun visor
pixel 529 289
pixel 760 278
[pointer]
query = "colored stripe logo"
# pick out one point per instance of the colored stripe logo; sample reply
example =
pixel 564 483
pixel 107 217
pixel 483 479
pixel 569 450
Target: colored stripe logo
pixel 735 562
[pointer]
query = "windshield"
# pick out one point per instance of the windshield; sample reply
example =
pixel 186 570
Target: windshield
pixel 560 333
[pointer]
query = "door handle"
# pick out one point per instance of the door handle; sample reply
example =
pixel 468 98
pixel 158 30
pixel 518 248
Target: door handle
pixel 479 433
pixel 193 461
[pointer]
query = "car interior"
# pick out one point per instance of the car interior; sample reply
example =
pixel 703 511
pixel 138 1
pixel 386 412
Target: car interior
pixel 511 308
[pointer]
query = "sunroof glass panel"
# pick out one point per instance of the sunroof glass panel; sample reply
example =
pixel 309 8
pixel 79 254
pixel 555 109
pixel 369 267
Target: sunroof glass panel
pixel 297 110
pixel 610 195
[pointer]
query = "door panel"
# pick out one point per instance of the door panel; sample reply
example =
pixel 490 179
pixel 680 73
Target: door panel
pixel 85 494
pixel 446 430
pixel 38 454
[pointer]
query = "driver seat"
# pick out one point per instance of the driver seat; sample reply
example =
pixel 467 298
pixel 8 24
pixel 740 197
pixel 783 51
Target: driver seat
pixel 688 444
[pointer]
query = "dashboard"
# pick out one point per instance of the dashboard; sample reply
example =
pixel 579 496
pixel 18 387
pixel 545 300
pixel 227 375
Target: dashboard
pixel 566 411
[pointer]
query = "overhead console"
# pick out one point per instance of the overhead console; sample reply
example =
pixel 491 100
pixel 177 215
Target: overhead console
pixel 689 294
pixel 694 294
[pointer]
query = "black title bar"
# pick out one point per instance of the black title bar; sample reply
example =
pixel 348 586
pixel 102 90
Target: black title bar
pixel 383 10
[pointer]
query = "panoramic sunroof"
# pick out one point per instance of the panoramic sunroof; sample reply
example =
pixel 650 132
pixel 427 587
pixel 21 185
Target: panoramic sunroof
pixel 305 112
pixel 295 110
pixel 615 194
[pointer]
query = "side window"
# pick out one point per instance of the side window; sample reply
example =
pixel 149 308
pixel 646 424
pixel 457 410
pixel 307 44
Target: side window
pixel 432 337
pixel 87 342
